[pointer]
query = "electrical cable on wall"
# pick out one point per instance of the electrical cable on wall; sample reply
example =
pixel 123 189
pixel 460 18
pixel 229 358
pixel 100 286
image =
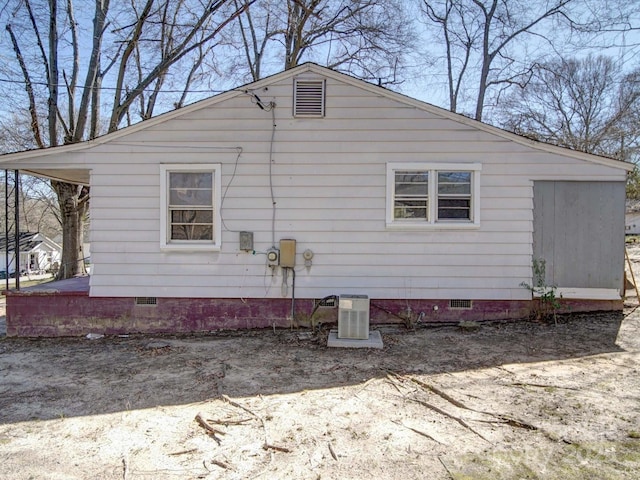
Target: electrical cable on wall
pixel 269 107
pixel 273 198
pixel 224 195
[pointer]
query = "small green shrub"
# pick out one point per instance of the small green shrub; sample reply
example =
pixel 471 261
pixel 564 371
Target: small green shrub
pixel 549 301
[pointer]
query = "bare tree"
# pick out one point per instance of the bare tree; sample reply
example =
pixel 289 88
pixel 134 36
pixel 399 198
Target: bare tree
pixel 366 38
pixel 181 27
pixel 478 39
pixel 587 104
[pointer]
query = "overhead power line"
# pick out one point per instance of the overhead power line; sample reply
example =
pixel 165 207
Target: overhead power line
pixel 83 87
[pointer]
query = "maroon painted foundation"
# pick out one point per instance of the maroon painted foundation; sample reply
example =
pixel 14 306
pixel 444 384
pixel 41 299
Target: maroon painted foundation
pixel 68 310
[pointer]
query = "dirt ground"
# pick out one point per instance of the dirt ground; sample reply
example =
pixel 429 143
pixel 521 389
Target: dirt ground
pixel 520 400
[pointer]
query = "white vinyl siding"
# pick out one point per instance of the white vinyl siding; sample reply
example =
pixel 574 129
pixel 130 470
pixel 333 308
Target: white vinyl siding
pixel 189 205
pixel 329 180
pixel 422 195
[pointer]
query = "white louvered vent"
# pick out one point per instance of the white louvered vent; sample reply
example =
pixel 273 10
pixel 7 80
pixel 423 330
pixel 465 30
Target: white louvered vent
pixel 456 304
pixel 148 301
pixel 353 317
pixel 308 98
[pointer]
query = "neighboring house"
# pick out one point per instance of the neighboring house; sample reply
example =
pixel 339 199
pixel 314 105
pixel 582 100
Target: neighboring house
pixel 38 253
pixel 432 215
pixel 632 218
pixel 632 223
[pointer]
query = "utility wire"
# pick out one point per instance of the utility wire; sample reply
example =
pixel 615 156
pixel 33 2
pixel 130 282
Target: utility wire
pixel 84 87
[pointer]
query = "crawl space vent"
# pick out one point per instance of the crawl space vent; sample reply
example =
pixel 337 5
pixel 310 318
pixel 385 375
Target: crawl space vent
pixel 149 301
pixel 460 304
pixel 308 98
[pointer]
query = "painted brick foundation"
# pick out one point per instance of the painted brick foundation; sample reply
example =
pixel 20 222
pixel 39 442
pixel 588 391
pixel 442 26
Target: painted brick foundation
pixel 60 313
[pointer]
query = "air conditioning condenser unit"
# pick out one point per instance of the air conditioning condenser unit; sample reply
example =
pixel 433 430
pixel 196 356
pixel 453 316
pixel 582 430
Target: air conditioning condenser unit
pixel 353 317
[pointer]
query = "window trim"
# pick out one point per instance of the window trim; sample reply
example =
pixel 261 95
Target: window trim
pixel 433 222
pixel 190 245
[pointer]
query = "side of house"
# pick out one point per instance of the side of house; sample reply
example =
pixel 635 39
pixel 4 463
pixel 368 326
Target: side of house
pixel 417 208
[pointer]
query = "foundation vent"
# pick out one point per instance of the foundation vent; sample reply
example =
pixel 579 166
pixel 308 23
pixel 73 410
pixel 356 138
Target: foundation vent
pixel 148 301
pixel 460 304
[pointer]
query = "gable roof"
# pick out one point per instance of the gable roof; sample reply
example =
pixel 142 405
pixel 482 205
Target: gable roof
pixel 13 160
pixel 27 241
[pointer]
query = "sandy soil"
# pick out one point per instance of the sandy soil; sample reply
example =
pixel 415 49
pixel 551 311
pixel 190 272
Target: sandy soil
pixel 519 400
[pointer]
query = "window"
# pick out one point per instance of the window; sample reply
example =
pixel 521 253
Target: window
pixel 433 195
pixel 190 199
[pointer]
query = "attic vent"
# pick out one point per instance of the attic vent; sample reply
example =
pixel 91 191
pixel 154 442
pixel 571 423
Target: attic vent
pixel 460 304
pixel 308 98
pixel 146 301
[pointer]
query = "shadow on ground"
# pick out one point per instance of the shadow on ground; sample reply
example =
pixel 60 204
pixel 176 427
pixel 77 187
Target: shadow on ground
pixel 51 378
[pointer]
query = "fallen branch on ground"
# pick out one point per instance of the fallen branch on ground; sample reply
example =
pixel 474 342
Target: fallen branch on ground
pixel 451 416
pixel 220 464
pixel 268 446
pixel 332 452
pixel 228 422
pixel 183 452
pixel 419 432
pixel 210 430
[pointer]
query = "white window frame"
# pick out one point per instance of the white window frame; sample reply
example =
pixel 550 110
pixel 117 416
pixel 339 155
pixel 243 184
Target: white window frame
pixel 165 223
pixel 432 221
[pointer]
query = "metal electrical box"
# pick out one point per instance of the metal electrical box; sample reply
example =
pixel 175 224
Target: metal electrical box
pixel 246 241
pixel 287 253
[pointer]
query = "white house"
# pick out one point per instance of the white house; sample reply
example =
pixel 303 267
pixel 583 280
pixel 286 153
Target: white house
pixel 38 253
pixel 249 208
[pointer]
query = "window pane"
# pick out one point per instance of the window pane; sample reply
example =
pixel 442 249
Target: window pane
pixel 412 183
pixel 410 209
pixel 454 208
pixel 191 216
pixel 190 188
pixel 191 232
pixel 454 183
pixel 191 225
pixel 191 180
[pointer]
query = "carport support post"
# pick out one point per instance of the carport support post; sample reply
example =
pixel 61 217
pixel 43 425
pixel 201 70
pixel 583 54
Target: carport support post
pixel 17 222
pixel 6 228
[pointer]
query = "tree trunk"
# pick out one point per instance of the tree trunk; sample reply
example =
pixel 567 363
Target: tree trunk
pixel 74 203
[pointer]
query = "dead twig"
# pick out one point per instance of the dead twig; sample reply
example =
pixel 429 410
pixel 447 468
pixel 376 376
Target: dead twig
pixel 541 385
pixel 419 432
pixel 445 467
pixel 332 452
pixel 268 446
pixel 220 464
pixel 503 418
pixel 442 394
pixel 393 383
pixel 125 469
pixel 451 416
pixel 250 412
pixel 183 452
pixel 210 430
pixel 227 422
